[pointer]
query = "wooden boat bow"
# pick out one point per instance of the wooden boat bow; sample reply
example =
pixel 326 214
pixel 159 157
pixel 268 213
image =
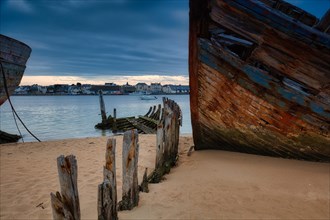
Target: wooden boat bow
pixel 259 78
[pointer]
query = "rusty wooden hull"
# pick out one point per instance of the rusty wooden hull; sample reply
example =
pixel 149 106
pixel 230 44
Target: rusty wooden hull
pixel 13 58
pixel 259 79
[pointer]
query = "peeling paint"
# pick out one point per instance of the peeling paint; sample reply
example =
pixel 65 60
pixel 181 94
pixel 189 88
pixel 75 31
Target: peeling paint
pixel 259 79
pixel 13 57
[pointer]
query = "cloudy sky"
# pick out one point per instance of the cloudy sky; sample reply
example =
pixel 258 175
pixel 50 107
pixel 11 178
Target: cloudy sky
pixel 97 41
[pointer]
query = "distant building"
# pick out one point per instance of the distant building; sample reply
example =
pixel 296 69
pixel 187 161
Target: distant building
pixel 155 88
pixel 170 89
pixel 110 84
pixel 107 90
pixel 42 89
pixel 75 90
pixel 126 89
pixel 61 89
pixel 22 90
pixel 85 89
pixel 50 90
pixel 35 89
pixel 184 89
pixel 141 87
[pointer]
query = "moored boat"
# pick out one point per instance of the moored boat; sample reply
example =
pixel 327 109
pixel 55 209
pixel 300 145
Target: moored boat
pixel 13 57
pixel 260 78
pixel 138 93
pixel 148 97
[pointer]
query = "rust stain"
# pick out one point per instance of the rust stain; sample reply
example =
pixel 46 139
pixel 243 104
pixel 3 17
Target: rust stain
pixel 13 57
pixel 255 86
pixel 131 153
pixel 109 165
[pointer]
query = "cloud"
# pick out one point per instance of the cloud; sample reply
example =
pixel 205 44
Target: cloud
pixel 100 80
pixel 21 5
pixel 103 38
pixel 85 53
pixel 180 15
pixel 67 6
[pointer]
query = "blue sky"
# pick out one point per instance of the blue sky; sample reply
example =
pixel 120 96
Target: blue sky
pixel 106 40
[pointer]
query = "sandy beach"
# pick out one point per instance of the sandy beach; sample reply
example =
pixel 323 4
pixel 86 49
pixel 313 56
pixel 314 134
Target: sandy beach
pixel 206 185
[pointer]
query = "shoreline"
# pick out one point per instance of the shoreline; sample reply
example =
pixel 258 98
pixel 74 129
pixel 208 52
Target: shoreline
pixel 209 184
pixel 118 134
pixel 164 94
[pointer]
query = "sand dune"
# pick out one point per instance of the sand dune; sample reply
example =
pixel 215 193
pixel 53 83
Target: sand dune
pixel 206 185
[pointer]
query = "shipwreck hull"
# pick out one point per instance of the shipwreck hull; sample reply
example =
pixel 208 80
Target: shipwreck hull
pixel 13 58
pixel 260 80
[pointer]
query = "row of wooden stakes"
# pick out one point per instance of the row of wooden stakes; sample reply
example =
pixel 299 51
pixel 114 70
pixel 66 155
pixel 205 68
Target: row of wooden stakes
pixel 65 205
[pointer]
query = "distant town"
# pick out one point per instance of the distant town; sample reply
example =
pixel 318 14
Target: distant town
pixel 107 89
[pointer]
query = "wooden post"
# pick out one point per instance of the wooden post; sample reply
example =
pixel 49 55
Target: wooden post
pixel 66 205
pixel 167 140
pixel 176 130
pixel 157 175
pixel 160 145
pixel 114 125
pixel 144 184
pixel 60 211
pixel 107 191
pixel 130 187
pixel 102 107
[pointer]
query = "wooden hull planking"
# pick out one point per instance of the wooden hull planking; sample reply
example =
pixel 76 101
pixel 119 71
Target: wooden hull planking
pixel 260 81
pixel 13 58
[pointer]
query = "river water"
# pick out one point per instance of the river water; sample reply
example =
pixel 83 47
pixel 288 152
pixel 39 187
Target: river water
pixel 62 117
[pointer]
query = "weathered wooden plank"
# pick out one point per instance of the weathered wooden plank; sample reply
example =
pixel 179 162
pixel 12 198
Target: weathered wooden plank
pixel 144 184
pixel 168 127
pixel 148 124
pixel 278 49
pixel 130 197
pixel 67 203
pixel 149 119
pixel 105 201
pixel 107 191
pixel 110 170
pixel 160 146
pixel 155 114
pixel 176 132
pixel 102 107
pixel 147 115
pixel 114 125
pixel 13 55
pixel 141 126
pixel 175 135
pixel 281 88
pixel 161 167
pixel 238 107
pixel 60 212
pixel 324 24
pixel 152 113
pixel 144 124
pixel 167 140
pixel 276 20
